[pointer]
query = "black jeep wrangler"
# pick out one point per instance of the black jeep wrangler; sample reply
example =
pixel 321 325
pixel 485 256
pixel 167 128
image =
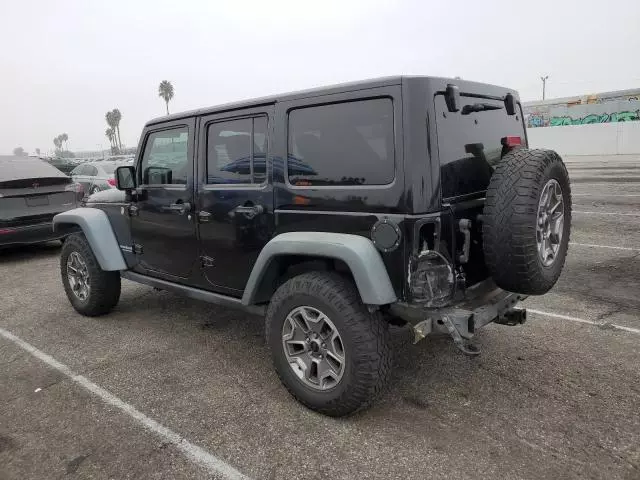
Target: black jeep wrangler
pixel 334 212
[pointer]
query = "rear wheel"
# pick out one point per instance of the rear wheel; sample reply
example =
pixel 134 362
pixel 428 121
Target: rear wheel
pixel 91 290
pixel 331 353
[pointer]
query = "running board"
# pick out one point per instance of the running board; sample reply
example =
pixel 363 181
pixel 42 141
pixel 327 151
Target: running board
pixel 195 293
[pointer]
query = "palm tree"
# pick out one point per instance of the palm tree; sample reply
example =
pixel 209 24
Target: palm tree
pixel 110 135
pixel 57 143
pixel 38 151
pixel 117 116
pixel 64 137
pixel 111 121
pixel 165 90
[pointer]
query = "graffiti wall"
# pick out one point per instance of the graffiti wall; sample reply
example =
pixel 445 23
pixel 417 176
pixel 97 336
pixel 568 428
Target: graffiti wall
pixel 609 107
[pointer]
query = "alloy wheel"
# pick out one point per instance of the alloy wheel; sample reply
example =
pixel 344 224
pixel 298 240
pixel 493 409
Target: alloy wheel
pixel 313 348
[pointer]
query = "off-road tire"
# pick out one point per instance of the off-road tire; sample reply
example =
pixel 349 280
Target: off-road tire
pixel 105 285
pixel 510 216
pixel 365 335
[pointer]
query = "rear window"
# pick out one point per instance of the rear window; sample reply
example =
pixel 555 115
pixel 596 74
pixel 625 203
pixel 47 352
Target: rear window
pixel 109 169
pixel 348 143
pixel 470 145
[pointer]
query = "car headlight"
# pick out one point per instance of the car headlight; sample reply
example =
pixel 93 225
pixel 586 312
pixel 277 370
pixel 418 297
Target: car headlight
pixel 431 279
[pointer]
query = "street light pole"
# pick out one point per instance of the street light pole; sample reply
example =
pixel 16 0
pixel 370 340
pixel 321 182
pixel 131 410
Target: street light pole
pixel 544 85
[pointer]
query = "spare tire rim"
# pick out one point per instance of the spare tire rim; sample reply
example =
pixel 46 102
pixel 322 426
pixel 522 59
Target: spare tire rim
pixel 313 348
pixel 550 222
pixel 78 275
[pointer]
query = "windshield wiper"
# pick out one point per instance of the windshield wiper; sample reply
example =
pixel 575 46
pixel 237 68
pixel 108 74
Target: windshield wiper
pixel 479 107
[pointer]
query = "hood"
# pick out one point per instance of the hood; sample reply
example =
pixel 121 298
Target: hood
pixel 113 195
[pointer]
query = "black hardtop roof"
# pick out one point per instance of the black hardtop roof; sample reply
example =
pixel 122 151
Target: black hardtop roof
pixel 433 82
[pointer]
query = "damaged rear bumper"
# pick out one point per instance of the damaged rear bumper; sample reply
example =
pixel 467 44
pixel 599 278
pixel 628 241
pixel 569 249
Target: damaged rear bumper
pixel 482 304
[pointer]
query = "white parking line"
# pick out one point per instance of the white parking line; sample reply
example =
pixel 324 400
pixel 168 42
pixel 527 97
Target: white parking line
pixel 198 455
pixel 582 320
pixel 592 245
pixel 607 213
pixel 605 195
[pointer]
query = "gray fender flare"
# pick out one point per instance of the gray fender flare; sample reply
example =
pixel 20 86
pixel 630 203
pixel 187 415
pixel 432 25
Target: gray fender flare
pixel 357 252
pixel 97 229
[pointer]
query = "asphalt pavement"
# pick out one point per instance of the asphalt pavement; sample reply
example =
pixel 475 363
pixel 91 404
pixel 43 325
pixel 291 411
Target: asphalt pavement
pixel 165 387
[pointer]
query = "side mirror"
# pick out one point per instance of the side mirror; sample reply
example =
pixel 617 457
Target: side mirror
pixel 510 104
pixel 452 98
pixel 125 178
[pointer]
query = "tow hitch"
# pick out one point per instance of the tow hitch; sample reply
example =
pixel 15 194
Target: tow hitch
pixel 516 316
pixel 484 304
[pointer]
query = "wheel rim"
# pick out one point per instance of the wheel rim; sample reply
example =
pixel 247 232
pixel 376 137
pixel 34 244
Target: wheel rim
pixel 78 276
pixel 313 348
pixel 550 222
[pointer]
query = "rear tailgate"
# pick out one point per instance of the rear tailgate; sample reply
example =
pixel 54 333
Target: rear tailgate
pixel 30 201
pixel 471 141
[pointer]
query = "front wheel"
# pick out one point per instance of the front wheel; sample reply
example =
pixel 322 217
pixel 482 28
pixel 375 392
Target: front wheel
pixel 91 290
pixel 329 351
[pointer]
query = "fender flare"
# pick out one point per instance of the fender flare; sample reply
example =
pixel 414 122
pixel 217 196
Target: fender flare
pixel 97 229
pixel 359 253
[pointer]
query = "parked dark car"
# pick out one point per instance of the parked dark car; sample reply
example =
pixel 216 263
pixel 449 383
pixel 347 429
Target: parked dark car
pixel 334 213
pixel 65 165
pixel 31 193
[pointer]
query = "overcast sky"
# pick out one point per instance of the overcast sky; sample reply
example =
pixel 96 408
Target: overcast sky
pixel 65 63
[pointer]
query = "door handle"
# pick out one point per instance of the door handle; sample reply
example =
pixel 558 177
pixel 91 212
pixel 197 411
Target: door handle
pixel 250 211
pixel 180 208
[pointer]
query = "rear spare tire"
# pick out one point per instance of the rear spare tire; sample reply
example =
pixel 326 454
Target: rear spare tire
pixel 527 221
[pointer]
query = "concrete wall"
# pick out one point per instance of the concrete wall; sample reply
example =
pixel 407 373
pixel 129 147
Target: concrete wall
pixel 594 139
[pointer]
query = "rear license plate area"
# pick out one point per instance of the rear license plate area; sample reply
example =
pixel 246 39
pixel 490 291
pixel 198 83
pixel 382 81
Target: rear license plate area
pixel 38 201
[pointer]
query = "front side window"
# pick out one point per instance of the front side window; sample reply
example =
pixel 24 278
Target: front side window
pixel 237 151
pixel 349 143
pixel 165 159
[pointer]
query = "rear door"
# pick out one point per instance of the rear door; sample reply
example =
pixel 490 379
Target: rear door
pixel 162 224
pixel 235 198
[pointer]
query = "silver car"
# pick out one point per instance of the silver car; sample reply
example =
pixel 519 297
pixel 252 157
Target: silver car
pixel 95 176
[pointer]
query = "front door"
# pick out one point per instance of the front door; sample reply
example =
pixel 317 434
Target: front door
pixel 235 198
pixel 162 222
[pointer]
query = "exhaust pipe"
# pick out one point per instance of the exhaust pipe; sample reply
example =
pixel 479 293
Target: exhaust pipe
pixel 516 316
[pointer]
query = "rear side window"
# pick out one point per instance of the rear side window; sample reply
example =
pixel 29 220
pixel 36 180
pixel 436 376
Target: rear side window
pixel 165 159
pixel 237 151
pixel 91 170
pixel 348 143
pixel 469 144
